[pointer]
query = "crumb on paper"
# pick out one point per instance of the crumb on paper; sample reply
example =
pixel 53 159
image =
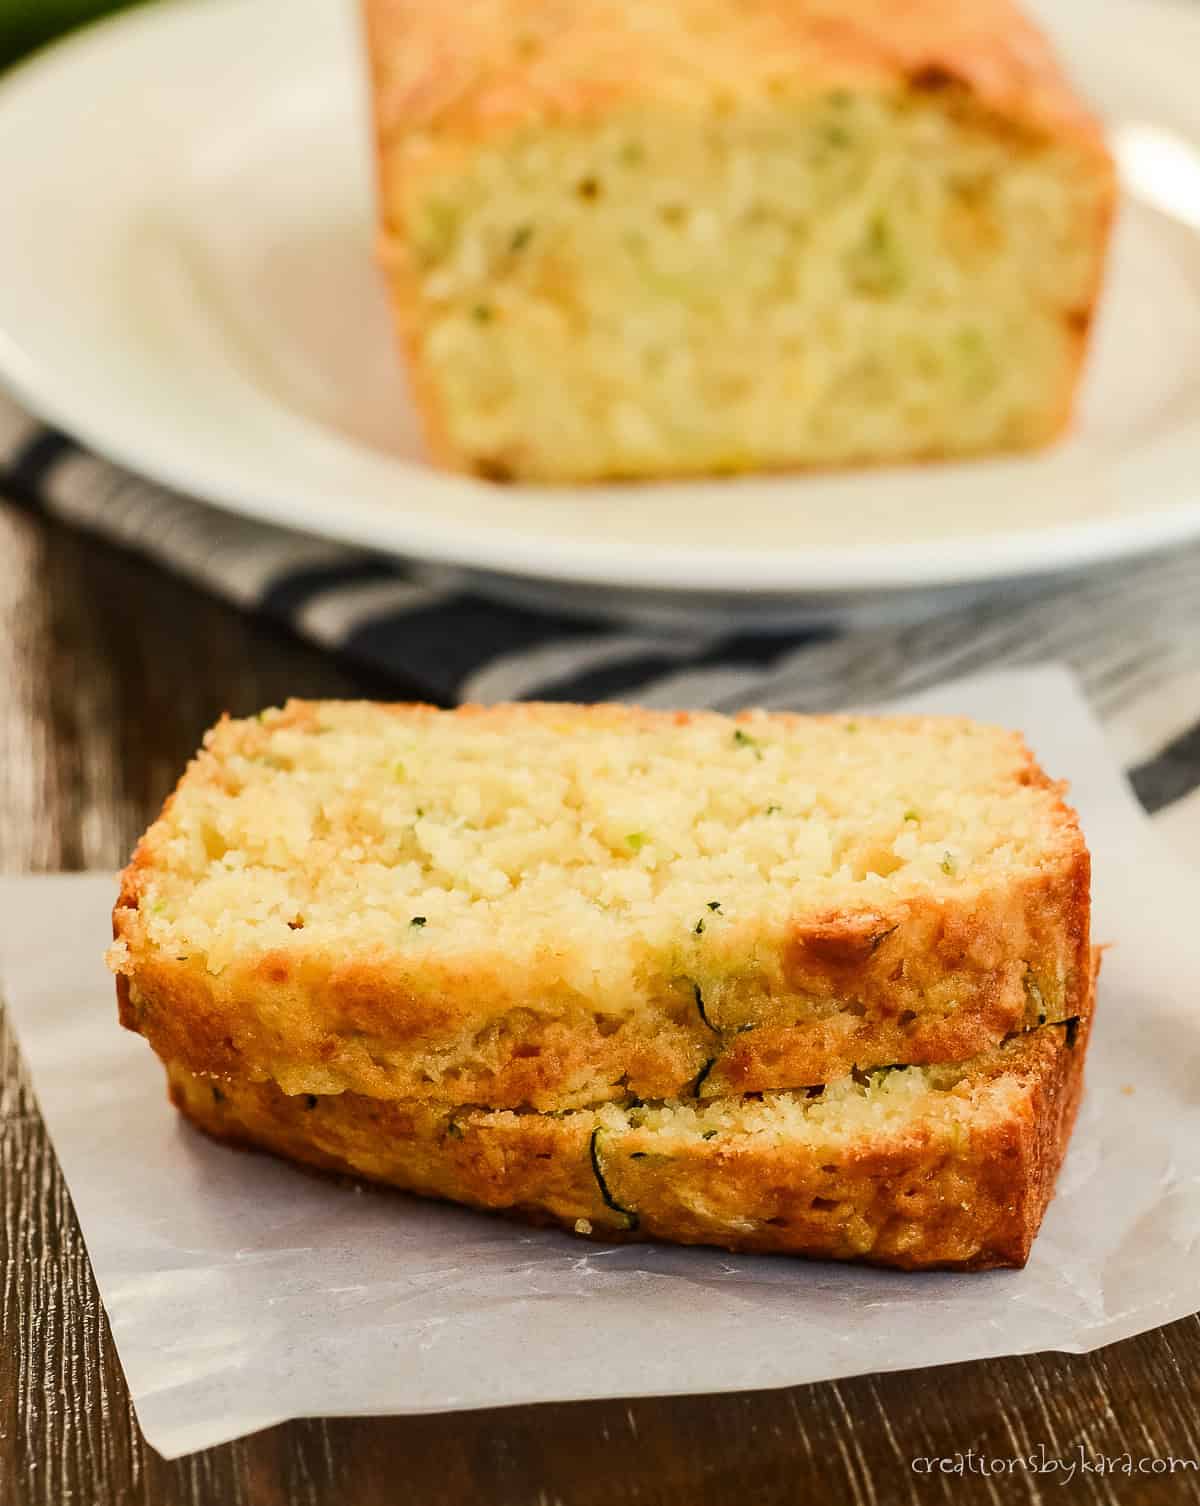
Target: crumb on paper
pixel 1127 1089
pixel 583 1226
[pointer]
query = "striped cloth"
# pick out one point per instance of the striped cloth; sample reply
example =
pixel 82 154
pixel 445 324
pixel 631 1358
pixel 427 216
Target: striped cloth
pixel 1131 631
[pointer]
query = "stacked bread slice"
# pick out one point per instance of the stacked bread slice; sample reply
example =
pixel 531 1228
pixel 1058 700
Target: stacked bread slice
pixel 809 984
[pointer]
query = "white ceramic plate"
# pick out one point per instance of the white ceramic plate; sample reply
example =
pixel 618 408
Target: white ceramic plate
pixel 186 284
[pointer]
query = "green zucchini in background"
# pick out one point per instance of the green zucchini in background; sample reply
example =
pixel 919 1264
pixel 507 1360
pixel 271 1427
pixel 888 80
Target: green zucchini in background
pixel 26 24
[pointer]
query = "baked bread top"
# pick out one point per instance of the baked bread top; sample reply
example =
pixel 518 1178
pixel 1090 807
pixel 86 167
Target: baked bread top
pixel 554 904
pixel 502 63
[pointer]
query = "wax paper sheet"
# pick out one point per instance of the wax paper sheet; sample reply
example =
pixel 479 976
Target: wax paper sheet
pixel 242 1291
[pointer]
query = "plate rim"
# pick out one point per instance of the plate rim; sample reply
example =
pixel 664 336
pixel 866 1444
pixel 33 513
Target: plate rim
pixel 978 558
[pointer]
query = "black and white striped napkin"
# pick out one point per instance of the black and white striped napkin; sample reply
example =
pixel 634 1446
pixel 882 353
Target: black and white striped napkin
pixel 1131 631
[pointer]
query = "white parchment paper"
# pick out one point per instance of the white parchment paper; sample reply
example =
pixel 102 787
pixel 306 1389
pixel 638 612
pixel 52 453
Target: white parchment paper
pixel 242 1292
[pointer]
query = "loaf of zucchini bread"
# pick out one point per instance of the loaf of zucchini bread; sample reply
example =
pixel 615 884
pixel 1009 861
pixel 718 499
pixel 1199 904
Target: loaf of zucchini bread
pixel 640 238
pixel 550 906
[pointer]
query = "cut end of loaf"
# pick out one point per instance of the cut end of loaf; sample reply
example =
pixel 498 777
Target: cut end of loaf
pixel 599 836
pixel 863 275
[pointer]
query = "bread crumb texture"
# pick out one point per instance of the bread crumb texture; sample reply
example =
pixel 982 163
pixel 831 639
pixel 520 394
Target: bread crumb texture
pixel 593 834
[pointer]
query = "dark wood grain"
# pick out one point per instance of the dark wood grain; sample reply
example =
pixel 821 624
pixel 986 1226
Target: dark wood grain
pixel 109 672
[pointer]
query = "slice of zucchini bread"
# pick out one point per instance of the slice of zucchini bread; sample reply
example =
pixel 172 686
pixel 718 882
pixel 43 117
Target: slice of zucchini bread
pixel 915 1167
pixel 640 238
pixel 552 905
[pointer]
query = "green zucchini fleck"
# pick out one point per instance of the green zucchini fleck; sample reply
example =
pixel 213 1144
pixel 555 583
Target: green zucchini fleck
pixel 709 1135
pixel 1072 1030
pixel 218 1096
pixel 700 1006
pixel 863 1076
pixel 435 230
pixel 714 904
pixel 878 264
pixel 636 840
pixel 948 865
pixel 698 928
pixel 310 1100
pixel 744 740
pixel 521 237
pixel 773 810
pixel 702 1075
pixel 630 1217
pixel 454 1130
pixel 418 921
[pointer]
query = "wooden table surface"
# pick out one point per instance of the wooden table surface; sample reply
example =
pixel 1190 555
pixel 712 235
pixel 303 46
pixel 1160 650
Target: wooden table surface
pixel 109 672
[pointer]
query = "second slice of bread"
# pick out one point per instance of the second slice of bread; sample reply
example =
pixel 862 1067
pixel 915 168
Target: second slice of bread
pixel 913 1167
pixel 552 906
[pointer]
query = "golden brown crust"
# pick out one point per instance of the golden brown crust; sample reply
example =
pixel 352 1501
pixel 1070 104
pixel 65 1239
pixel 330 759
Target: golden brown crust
pixel 926 979
pixel 967 1194
pixel 488 65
